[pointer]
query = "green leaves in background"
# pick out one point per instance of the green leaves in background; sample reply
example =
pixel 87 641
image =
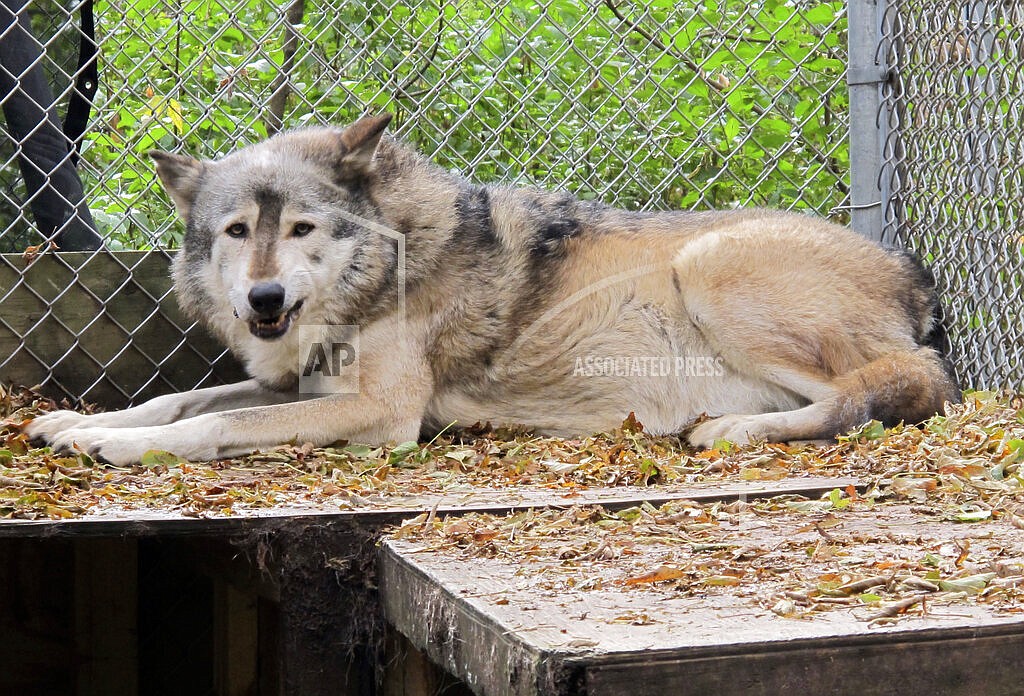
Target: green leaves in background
pixel 646 105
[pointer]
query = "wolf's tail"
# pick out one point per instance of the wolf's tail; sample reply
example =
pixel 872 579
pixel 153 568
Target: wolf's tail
pixel 931 325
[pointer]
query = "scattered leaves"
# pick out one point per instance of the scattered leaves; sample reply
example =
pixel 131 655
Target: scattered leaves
pixel 792 556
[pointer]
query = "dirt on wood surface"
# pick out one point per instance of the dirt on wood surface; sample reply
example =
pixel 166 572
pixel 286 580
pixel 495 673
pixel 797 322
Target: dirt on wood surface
pixel 876 560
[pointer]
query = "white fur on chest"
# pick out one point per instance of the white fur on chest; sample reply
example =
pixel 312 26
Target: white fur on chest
pixel 273 361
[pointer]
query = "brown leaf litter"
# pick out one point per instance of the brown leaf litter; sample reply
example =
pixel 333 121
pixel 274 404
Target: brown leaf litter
pixel 937 523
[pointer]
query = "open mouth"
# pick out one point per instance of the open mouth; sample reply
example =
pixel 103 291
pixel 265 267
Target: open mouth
pixel 274 327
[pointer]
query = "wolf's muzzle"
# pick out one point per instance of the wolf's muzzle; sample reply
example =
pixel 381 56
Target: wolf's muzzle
pixel 267 301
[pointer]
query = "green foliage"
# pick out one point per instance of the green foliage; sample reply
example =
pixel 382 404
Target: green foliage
pixel 662 104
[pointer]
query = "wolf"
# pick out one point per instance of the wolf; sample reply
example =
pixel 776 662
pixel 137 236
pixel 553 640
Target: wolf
pixel 513 305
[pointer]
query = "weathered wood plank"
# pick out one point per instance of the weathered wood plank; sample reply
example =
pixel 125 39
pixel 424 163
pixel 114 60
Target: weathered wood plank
pixel 488 622
pixel 461 636
pixel 960 661
pixel 106 616
pixel 236 639
pixel 104 325
pixel 382 511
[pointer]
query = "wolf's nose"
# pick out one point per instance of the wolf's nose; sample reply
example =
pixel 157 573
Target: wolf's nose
pixel 267 299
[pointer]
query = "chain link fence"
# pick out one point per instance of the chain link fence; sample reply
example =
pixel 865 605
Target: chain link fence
pixel 645 105
pixel 654 105
pixel 953 164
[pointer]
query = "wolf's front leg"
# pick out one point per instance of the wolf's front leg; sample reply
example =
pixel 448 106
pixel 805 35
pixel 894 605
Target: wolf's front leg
pixel 231 433
pixel 395 388
pixel 162 409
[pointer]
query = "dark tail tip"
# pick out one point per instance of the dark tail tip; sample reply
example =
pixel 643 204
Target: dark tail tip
pixel 938 340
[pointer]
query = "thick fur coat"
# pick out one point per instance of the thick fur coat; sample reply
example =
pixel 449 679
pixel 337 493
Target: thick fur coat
pixel 509 305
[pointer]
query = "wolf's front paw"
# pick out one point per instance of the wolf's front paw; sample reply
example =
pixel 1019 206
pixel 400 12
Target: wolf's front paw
pixel 46 427
pixel 737 429
pixel 116 446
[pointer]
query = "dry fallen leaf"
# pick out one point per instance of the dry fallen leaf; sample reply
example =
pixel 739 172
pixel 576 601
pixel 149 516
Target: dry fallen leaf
pixel 658 575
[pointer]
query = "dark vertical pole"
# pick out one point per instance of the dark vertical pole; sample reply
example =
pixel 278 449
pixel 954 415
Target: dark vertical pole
pixel 331 623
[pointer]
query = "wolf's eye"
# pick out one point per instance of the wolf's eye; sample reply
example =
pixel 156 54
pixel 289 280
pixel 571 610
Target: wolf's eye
pixel 301 229
pixel 237 230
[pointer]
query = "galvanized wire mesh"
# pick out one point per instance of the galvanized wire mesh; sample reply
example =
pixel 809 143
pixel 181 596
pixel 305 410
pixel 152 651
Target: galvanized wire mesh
pixel 955 165
pixel 660 104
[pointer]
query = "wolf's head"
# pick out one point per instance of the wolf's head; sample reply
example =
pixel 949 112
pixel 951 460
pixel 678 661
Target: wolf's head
pixel 273 230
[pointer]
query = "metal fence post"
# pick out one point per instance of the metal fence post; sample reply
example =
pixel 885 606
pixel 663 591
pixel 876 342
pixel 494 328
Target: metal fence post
pixel 982 149
pixel 866 73
pixel 980 41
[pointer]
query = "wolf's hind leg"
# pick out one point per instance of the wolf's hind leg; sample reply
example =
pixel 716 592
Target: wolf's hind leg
pixel 813 309
pixel 901 386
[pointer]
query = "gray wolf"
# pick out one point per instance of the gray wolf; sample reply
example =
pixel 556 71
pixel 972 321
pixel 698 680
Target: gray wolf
pixel 516 306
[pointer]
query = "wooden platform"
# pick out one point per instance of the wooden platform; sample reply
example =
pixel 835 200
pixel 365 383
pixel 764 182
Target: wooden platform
pixel 512 627
pixel 379 511
pixel 307 601
pixel 280 601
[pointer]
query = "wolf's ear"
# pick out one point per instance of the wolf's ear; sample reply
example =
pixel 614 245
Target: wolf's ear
pixel 360 141
pixel 180 176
